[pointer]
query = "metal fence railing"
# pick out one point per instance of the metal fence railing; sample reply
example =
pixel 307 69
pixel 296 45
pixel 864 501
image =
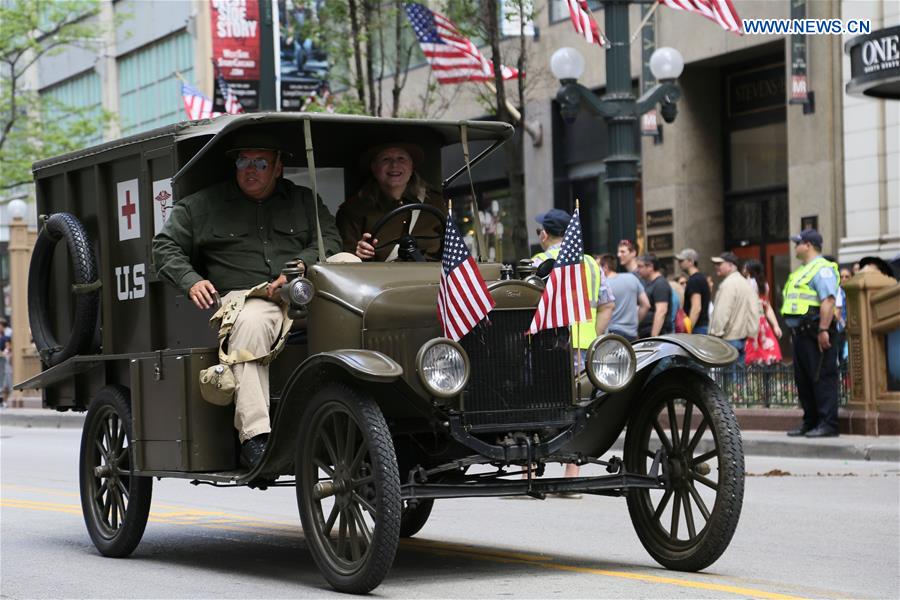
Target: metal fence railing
pixel 764 386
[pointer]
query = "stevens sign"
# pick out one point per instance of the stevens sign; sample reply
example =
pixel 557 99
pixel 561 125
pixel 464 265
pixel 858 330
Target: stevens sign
pixel 875 64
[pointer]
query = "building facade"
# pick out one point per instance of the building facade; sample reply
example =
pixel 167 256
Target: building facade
pixel 740 168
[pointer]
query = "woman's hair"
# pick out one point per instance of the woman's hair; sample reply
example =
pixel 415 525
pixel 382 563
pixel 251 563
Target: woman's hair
pixel 415 188
pixel 757 273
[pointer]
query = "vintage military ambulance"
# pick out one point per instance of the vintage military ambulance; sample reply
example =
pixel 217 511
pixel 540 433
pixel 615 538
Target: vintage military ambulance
pixel 375 415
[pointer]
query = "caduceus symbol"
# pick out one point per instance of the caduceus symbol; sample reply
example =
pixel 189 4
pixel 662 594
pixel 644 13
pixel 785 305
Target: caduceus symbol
pixel 163 198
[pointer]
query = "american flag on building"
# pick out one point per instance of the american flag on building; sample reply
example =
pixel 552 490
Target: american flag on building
pixel 452 56
pixel 232 104
pixel 463 298
pixel 584 21
pixel 196 104
pixel 566 297
pixel 720 11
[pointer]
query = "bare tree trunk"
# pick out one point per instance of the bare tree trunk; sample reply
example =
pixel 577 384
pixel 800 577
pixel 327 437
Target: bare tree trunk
pixel 521 64
pixel 357 51
pixel 513 153
pixel 368 13
pixel 381 27
pixel 398 57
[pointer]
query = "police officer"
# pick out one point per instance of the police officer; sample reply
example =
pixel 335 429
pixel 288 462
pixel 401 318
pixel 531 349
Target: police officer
pixel 808 309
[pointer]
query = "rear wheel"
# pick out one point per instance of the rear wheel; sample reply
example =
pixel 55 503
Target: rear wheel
pixel 114 501
pixel 348 488
pixel 688 525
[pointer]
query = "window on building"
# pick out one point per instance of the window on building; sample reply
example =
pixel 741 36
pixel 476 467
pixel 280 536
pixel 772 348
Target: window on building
pixel 559 10
pixel 150 91
pixel 82 93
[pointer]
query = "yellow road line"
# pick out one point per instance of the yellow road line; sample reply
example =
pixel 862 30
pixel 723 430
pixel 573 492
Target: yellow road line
pixel 243 524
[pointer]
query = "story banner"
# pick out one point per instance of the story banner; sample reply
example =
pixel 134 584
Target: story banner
pixel 799 81
pixel 236 49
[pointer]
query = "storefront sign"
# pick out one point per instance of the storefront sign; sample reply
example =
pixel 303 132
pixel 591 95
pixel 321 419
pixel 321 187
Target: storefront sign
pixel 799 82
pixel 756 90
pixel 660 242
pixel 875 64
pixel 659 218
pixel 236 48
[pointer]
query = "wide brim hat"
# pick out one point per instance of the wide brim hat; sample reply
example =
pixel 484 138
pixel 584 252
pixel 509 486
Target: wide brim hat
pixel 256 140
pixel 414 150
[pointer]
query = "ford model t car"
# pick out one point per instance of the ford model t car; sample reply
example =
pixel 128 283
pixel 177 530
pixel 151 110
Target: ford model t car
pixel 375 415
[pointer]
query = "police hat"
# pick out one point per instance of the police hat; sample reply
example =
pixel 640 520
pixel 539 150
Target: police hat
pixel 810 236
pixel 554 221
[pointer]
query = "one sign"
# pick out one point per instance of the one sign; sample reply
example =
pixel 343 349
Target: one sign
pixel 659 218
pixel 236 47
pixel 799 82
pixel 162 203
pixel 756 90
pixel 875 64
pixel 128 210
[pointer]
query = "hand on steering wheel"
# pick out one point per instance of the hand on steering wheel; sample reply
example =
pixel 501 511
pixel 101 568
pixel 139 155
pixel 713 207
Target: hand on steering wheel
pixel 393 214
pixel 365 248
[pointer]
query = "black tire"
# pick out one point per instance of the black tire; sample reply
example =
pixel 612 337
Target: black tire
pixel 413 519
pixel 345 446
pixel 115 502
pixel 82 338
pixel 705 465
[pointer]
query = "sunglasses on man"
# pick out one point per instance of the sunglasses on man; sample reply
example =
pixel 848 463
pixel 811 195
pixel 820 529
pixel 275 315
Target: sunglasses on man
pixel 260 164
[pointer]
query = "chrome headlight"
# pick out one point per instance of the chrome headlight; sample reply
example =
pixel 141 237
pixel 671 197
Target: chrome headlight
pixel 611 363
pixel 443 367
pixel 301 291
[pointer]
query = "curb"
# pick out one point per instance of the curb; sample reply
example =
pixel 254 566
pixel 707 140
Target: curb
pixel 756 443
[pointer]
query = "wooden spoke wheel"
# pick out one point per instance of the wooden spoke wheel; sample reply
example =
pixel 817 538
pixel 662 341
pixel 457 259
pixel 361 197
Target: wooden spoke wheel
pixel 348 488
pixel 689 524
pixel 114 501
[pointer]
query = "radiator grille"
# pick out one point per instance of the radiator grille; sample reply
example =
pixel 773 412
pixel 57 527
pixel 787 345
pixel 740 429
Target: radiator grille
pixel 517 379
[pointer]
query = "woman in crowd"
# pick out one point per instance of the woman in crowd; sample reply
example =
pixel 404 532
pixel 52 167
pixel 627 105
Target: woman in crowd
pixel 764 348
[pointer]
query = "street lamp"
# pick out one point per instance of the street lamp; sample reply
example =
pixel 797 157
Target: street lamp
pixel 619 107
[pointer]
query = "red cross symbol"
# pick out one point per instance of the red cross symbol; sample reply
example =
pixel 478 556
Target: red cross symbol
pixel 129 208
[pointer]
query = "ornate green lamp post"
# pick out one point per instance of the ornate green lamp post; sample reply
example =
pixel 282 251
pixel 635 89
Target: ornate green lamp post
pixel 619 107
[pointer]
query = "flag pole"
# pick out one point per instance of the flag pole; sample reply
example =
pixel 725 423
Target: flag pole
pixel 644 22
pixel 579 362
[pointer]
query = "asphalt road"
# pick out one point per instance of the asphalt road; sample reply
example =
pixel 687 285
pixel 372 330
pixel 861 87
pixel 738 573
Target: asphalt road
pixel 810 528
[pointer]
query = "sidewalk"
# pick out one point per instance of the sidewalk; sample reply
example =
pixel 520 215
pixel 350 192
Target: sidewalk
pixel 757 443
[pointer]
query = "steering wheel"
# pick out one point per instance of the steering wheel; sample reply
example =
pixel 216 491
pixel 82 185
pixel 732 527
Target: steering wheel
pixel 408 236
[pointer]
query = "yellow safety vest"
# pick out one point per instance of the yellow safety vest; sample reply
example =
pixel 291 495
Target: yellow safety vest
pixel 585 331
pixel 799 297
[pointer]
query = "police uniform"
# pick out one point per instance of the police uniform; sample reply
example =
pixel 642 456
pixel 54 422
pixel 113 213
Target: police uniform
pixel 815 373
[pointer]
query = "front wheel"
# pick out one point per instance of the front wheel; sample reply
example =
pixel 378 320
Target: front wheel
pixel 687 525
pixel 348 488
pixel 115 501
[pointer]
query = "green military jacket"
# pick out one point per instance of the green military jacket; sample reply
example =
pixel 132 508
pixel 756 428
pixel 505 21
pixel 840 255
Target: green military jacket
pixel 236 242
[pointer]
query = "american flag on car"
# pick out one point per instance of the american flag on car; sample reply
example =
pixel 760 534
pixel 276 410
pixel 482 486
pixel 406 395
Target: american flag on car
pixel 463 298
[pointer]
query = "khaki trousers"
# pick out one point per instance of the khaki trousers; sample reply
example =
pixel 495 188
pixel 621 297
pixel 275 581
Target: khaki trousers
pixel 257 328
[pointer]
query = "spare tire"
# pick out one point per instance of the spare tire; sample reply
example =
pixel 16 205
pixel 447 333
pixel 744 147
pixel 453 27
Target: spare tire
pixel 85 288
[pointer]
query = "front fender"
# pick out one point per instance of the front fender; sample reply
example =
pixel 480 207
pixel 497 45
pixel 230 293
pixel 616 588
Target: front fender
pixel 365 365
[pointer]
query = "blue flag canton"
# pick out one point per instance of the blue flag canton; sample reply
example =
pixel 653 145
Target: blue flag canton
pixel 571 252
pixel 455 250
pixel 422 21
